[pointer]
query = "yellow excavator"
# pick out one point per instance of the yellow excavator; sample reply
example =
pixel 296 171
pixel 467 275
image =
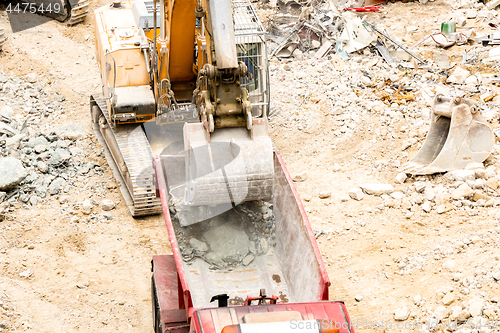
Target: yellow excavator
pixel 188 80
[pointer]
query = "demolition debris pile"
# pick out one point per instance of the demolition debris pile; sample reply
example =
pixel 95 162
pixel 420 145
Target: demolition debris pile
pixel 231 239
pixel 37 160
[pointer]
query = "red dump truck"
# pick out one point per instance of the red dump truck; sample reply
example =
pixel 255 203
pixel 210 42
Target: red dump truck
pixel 284 289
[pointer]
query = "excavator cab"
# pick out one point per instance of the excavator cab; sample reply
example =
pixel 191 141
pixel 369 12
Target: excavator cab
pixel 199 98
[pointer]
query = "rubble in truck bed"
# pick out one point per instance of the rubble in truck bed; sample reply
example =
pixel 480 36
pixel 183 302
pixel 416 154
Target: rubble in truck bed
pixel 230 239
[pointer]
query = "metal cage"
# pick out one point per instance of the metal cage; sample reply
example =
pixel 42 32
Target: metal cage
pixel 252 50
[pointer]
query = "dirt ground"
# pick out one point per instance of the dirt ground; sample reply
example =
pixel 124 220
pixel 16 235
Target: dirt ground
pixel 95 277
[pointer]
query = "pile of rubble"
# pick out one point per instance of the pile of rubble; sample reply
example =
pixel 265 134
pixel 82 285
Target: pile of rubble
pixel 476 186
pixel 230 239
pixel 323 29
pixel 37 161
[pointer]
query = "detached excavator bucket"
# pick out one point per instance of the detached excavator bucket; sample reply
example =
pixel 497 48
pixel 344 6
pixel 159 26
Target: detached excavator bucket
pixel 224 169
pixel 458 135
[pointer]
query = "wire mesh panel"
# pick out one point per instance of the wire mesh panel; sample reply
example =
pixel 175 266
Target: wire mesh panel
pixel 252 50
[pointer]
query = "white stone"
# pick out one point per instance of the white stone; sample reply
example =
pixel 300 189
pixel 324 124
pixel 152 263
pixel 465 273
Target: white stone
pixel 400 178
pixel 476 308
pixel 448 299
pixel 356 193
pixel 107 204
pixel 461 192
pixel 419 187
pixel 397 195
pixel 9 111
pixel 459 314
pixel 42 166
pixel 426 207
pixel 87 207
pixel 441 313
pixel 377 189
pixel 441 209
pixel 460 74
pixel 401 314
pixel 472 80
pixel 300 177
pixel 461 175
pixel 417 299
pixel 31 77
pixel 471 13
pixel 449 265
pixel 430 193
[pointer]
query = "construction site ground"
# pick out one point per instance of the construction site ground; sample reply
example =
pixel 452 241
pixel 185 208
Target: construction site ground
pixel 59 274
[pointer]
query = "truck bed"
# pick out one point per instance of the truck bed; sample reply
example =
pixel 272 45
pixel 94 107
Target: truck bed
pixel 292 269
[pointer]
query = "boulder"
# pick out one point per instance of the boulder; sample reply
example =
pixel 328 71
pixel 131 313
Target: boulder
pixel 12 172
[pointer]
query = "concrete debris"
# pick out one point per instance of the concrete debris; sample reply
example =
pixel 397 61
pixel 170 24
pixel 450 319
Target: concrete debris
pixel 318 87
pixel 12 173
pixel 70 131
pixel 231 239
pixel 198 246
pixel 441 313
pixel 300 177
pixel 377 189
pixel 400 178
pixel 459 75
pixel 448 299
pixel 463 191
pixel 476 308
pixel 248 260
pixel 401 313
pixel 59 156
pixel 107 204
pixel 55 186
pixel 325 194
pixel 426 207
pixel 87 207
pixel 461 175
pixel 231 244
pixel 34 161
pixel 356 194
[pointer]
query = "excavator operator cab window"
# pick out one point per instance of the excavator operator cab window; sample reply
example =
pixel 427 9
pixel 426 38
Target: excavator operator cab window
pixel 250 55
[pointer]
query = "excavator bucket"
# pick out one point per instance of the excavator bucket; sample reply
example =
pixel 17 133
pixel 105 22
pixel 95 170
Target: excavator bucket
pixel 458 135
pixel 225 169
